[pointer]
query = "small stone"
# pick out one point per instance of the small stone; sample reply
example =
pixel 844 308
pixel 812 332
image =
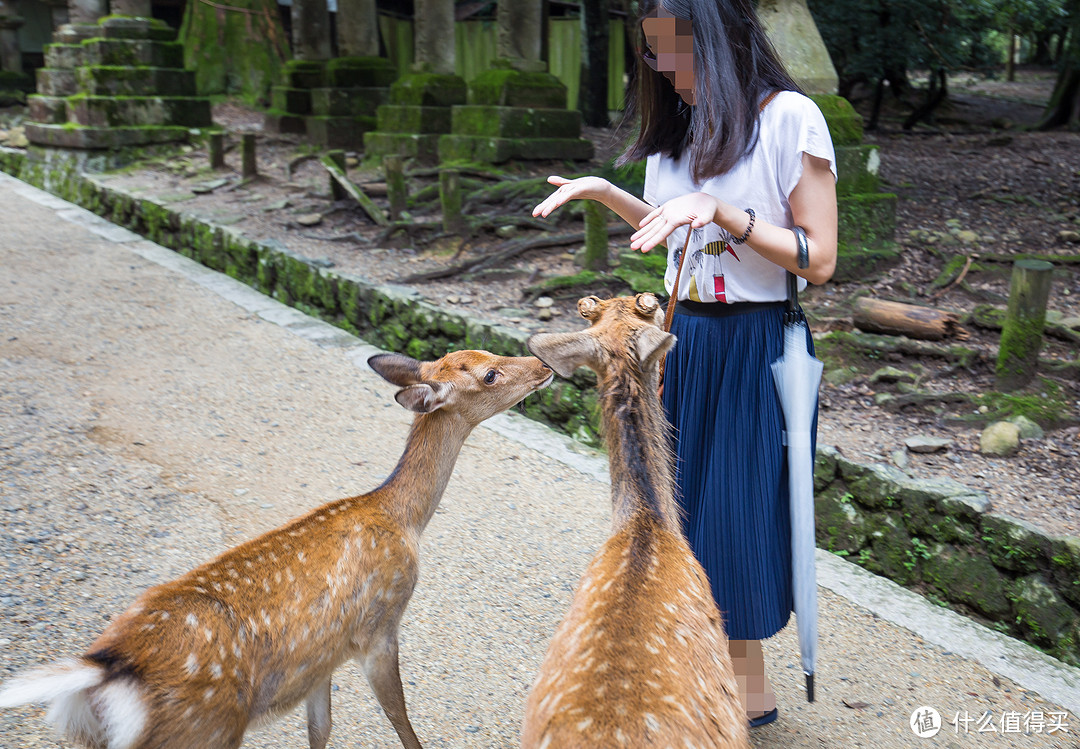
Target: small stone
pixel 277 205
pixel 266 506
pixel 17 138
pixel 1000 438
pixel 544 301
pixel 351 162
pixel 1068 235
pixel 453 300
pixel 566 256
pixel 900 459
pixel 891 374
pixel 1071 322
pixel 544 314
pixel 78 575
pixel 921 443
pixel 1029 430
pixel 507 231
pixel 309 219
pixel 205 187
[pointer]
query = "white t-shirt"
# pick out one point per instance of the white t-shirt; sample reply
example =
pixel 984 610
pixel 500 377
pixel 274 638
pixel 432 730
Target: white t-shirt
pixel 716 270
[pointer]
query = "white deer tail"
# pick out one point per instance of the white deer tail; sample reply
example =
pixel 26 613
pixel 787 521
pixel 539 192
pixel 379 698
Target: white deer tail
pixel 82 704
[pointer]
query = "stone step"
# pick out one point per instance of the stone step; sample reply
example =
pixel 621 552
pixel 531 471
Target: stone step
pixel 304 73
pixel 75 33
pixel 55 82
pixel 394 118
pixel 63 56
pixel 69 136
pixel 106 80
pixel 339 132
pixel 358 101
pixel 496 150
pixel 360 72
pixel 423 148
pixel 515 122
pixel 291 100
pixel 119 52
pixel 121 111
pixel 284 123
pixel 118 27
pixel 49 110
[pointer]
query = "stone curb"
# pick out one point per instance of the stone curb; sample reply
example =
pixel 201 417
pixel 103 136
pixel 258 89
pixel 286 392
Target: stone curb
pixel 998 569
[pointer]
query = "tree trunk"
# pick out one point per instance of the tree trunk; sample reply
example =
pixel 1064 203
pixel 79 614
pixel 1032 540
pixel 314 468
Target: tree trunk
pixel 936 93
pixel 234 52
pixel 593 93
pixel 1022 332
pixel 894 318
pixel 1063 109
pixel 595 255
pixel 1010 59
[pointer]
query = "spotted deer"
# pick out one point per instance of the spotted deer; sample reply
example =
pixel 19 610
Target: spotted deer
pixel 236 642
pixel 641 658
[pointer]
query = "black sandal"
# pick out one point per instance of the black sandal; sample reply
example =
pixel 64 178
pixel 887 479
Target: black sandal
pixel 765 719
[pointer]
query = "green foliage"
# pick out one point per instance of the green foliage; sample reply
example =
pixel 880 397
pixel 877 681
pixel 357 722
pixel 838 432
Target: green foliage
pixel 871 42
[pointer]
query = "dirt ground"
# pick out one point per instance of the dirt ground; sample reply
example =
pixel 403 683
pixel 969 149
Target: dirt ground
pixel 971 184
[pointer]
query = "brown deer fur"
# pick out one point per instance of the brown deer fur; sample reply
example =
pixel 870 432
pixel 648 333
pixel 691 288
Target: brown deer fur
pixel 641 658
pixel 245 637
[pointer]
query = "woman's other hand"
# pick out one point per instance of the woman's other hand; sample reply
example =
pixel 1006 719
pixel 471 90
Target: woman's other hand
pixel 590 188
pixel 696 209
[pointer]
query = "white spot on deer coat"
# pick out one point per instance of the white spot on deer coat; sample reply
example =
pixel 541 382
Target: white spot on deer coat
pixel 191 665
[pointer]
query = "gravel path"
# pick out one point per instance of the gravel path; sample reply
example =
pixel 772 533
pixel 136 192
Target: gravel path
pixel 147 424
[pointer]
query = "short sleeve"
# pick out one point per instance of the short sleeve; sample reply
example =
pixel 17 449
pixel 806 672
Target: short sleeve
pixel 652 167
pixel 804 131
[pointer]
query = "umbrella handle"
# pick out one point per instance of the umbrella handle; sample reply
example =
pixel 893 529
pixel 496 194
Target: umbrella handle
pixel 809 687
pixel 803 261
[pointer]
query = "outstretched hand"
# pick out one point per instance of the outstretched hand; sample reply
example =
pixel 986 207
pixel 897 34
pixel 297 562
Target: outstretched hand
pixel 592 188
pixel 696 209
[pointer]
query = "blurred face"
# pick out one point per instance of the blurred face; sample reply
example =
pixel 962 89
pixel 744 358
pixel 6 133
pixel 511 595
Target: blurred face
pixel 669 50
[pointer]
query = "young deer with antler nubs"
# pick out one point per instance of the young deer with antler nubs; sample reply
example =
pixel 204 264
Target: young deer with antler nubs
pixel 245 637
pixel 641 658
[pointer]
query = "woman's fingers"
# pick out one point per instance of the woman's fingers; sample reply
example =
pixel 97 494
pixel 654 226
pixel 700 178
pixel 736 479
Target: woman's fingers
pixel 555 199
pixel 557 180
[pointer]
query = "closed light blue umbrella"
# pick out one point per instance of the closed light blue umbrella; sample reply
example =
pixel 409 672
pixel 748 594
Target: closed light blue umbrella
pixel 797 375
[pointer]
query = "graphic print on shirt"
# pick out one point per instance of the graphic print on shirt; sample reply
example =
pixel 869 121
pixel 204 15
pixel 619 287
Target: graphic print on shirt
pixel 717 249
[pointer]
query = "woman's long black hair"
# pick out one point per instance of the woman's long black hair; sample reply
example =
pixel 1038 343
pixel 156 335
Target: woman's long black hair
pixel 735 67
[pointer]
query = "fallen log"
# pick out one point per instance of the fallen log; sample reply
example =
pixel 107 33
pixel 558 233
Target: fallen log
pixel 377 214
pixel 895 318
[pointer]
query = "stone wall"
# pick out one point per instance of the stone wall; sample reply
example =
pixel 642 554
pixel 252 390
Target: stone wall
pixel 937 537
pixel 943 539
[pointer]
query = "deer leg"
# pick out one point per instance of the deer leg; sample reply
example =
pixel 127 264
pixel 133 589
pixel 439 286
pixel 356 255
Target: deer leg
pixel 318 716
pixel 380 665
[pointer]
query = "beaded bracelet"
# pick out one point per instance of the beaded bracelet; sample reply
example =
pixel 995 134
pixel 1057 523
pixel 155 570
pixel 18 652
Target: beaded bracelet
pixel 749 228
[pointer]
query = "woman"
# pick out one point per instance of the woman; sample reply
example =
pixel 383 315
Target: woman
pixel 740 157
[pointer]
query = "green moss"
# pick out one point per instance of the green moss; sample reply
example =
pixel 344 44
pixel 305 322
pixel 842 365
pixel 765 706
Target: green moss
pixel 845 124
pixel 428 90
pixel 1047 405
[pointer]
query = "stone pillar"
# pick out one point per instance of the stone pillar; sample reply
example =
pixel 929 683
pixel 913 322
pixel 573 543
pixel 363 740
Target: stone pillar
pixel 798 41
pixel 310 30
pixel 10 21
pixel 137 8
pixel 357 28
pixel 519 31
pixel 433 35
pixel 86 11
pixel 59 13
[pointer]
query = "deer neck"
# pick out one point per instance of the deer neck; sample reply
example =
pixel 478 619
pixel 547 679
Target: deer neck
pixel 639 453
pixel 418 481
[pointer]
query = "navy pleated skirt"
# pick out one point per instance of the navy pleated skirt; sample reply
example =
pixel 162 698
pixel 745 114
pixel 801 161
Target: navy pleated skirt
pixel 731 461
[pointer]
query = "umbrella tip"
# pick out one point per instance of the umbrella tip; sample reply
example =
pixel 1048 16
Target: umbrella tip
pixel 809 687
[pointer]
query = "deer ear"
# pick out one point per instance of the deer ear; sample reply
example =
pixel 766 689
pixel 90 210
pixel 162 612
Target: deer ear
pixel 424 397
pixel 563 352
pixel 652 344
pixel 397 369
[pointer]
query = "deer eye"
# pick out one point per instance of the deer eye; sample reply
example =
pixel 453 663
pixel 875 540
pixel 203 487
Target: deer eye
pixel 490 376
